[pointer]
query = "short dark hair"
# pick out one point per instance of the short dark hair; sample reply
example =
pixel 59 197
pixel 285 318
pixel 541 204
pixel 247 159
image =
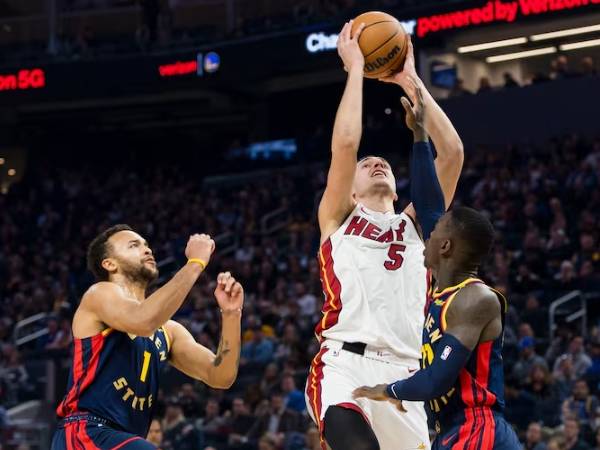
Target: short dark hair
pixel 475 232
pixel 98 251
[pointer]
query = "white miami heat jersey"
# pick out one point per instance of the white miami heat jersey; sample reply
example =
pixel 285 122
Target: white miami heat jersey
pixel 374 282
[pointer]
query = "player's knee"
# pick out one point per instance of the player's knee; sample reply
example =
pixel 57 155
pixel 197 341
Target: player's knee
pixel 345 429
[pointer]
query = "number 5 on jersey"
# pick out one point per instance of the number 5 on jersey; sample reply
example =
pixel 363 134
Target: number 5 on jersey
pixel 395 255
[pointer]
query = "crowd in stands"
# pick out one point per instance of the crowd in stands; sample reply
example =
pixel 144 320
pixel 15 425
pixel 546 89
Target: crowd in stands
pixel 560 69
pixel 154 26
pixel 543 200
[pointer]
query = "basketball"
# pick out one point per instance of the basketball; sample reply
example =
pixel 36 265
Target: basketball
pixel 383 42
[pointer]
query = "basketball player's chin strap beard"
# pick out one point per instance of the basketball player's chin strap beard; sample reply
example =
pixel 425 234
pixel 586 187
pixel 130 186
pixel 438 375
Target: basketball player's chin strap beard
pixel 438 378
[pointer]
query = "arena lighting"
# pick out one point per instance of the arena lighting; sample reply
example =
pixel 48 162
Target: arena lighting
pixel 581 44
pixel 567 32
pixel 519 55
pixel 12 172
pixel 493 44
pixel 1 161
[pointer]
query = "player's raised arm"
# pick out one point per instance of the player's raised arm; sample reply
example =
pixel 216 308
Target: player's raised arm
pixel 449 147
pixel 473 316
pixel 107 303
pixel 337 200
pixel 198 362
pixel 425 190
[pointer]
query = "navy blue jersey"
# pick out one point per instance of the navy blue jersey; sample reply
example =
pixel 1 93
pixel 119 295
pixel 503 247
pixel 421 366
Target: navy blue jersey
pixel 115 376
pixel 479 389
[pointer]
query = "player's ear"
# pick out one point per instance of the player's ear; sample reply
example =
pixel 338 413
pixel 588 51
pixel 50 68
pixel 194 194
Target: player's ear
pixel 110 265
pixel 395 197
pixel 446 247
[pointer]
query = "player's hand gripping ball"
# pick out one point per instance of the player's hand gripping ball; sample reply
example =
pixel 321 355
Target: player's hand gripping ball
pixel 383 43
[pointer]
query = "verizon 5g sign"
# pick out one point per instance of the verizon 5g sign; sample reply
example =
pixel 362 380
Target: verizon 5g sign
pixel 321 41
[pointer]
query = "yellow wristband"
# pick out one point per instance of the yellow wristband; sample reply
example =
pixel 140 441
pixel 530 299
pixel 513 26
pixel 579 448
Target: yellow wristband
pixel 197 261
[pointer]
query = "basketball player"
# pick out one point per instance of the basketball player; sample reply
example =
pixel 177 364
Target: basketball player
pixel 123 339
pixel 372 268
pixel 462 376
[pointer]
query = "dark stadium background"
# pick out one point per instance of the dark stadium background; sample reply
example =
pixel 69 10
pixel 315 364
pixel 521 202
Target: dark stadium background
pixel 91 134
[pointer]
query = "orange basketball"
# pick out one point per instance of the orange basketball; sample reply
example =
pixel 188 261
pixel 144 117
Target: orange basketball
pixel 383 43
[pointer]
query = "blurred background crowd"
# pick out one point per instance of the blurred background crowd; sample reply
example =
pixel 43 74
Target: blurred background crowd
pixel 92 133
pixel 543 200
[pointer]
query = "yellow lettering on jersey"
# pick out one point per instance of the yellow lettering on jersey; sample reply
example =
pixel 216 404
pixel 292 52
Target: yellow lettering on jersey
pixel 163 355
pixel 451 392
pixel 429 322
pixel 120 383
pixel 436 406
pixel 444 399
pixel 158 343
pixel 435 335
pixel 128 394
pixel 439 302
pixel 426 355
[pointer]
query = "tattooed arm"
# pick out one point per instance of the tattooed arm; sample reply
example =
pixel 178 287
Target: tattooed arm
pixel 220 370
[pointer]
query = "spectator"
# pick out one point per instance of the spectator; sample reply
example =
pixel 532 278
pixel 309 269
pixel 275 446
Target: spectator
pixel 13 376
pixel 582 406
pixel 565 376
pixel 306 301
pixel 212 424
pixel 484 85
pixel 580 360
pixel 545 394
pixel 587 67
pixel 458 90
pixel 533 438
pixel 573 440
pixel 293 397
pixel 238 423
pixel 560 68
pixel 536 315
pixel 527 359
pixel 277 419
pixel 61 338
pixel 509 81
pixel 270 380
pixel 559 344
pixel 155 434
pixel 179 433
pixel 189 400
pixel 258 352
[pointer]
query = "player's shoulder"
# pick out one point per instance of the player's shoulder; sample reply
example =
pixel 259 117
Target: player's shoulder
pixel 100 291
pixel 476 300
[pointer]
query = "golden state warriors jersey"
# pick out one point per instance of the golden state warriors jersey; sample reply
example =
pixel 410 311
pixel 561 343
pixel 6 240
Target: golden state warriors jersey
pixel 479 388
pixel 115 376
